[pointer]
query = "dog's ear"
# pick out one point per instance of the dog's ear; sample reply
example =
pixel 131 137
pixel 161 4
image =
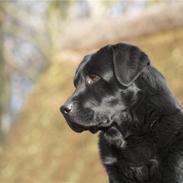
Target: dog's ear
pixel 129 62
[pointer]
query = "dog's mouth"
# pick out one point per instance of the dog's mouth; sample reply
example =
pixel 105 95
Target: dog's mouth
pixel 75 127
pixel 102 126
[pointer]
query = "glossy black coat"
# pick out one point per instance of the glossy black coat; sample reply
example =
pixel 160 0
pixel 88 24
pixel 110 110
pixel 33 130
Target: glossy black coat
pixel 139 119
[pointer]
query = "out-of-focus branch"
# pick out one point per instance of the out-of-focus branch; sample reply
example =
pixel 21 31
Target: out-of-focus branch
pixel 38 41
pixel 11 66
pixel 83 35
pixel 3 94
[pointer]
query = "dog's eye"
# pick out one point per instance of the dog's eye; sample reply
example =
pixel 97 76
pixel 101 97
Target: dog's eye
pixel 92 78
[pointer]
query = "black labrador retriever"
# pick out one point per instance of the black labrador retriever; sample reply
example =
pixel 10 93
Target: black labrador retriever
pixel 119 93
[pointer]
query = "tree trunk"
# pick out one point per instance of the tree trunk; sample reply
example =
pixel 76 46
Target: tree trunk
pixel 2 74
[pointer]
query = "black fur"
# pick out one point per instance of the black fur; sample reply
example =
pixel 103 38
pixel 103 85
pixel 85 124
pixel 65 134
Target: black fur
pixel 121 95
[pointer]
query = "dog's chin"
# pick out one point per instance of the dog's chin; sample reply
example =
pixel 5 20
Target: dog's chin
pixel 94 130
pixel 76 127
pixel 79 128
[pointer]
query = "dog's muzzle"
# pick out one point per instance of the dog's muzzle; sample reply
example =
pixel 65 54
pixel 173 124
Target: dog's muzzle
pixel 67 110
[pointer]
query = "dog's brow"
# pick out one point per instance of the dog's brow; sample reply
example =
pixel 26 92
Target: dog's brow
pixel 76 79
pixel 80 68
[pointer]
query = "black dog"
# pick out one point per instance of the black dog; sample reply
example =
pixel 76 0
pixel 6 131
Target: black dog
pixel 121 95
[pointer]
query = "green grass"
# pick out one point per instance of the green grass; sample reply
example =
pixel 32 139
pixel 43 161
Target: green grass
pixel 42 149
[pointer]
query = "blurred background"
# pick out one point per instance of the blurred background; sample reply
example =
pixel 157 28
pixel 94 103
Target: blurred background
pixel 42 42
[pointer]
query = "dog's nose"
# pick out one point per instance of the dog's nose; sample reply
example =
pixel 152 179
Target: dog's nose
pixel 65 109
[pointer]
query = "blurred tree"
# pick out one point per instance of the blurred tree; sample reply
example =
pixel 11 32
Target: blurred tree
pixel 108 3
pixel 2 71
pixel 56 13
pixel 32 36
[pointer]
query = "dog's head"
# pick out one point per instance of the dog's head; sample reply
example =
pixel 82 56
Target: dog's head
pixel 105 87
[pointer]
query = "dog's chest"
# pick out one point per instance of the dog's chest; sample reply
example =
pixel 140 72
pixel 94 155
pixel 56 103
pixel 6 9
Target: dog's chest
pixel 136 161
pixel 134 156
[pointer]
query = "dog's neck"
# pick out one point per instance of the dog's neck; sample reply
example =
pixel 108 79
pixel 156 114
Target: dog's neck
pixel 152 110
pixel 158 99
pixel 142 121
pixel 154 105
